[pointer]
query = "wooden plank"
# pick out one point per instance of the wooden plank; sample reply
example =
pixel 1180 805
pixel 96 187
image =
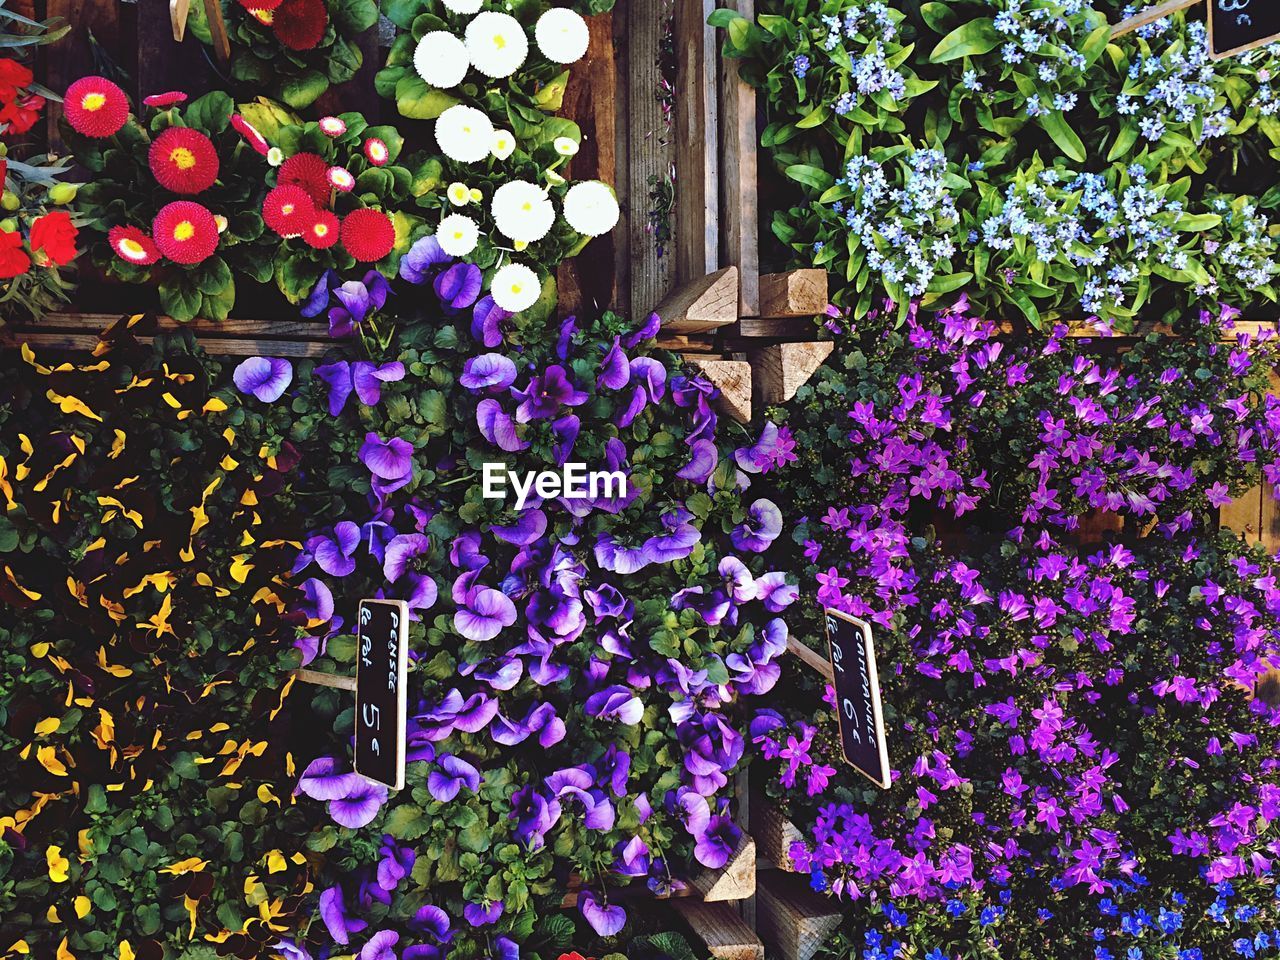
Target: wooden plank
pixel 774 834
pixel 1150 15
pixel 732 378
pixel 322 679
pixel 72 57
pixel 1244 515
pixel 1269 528
pixel 777 328
pixel 779 370
pixel 218 31
pixel 697 225
pixel 587 283
pixel 793 921
pixel 725 935
pixel 229 328
pixel 12 338
pixel 702 304
pixel 796 293
pixel 739 177
pixel 736 880
pixel 648 154
pixel 682 344
pixel 812 658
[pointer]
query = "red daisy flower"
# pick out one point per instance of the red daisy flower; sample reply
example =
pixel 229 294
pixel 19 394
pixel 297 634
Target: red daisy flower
pixel 252 5
pixel 288 210
pixel 300 24
pixel 376 151
pixel 55 234
pixel 323 231
pixel 185 232
pixel 250 133
pixel 13 259
pixel 133 246
pixel 368 235
pixel 95 107
pixel 165 99
pixel 264 17
pixel 183 160
pixel 310 172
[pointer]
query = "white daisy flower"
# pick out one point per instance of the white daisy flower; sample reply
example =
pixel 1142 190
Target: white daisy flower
pixel 522 211
pixel 565 146
pixel 441 59
pixel 457 235
pixel 591 208
pixel 275 156
pixel 496 44
pixel 504 144
pixel 562 35
pixel 464 134
pixel 515 287
pixel 459 194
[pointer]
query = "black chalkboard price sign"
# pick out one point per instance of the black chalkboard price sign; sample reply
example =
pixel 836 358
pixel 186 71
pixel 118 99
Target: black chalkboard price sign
pixel 1239 25
pixel 382 666
pixel 853 661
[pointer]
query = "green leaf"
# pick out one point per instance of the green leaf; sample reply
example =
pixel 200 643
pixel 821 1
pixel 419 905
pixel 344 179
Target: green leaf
pixel 1055 124
pixel 939 17
pixel 210 113
pixel 949 282
pixel 418 101
pixel 814 118
pixel 550 96
pixel 810 176
pixel 970 40
pixel 302 91
pixel 723 16
pixel 353 16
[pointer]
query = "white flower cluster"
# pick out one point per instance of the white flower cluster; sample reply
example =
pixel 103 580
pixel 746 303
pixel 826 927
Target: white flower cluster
pixel 524 214
pixel 1178 85
pixel 907 232
pixel 496 45
pixel 1249 254
pixel 863 34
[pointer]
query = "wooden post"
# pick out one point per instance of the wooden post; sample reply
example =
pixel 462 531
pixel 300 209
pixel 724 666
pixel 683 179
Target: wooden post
pixel 736 880
pixel 697 225
pixel 796 293
pixel 739 178
pixel 774 834
pixel 218 31
pixel 1244 515
pixel 321 679
pixel 725 934
pixel 732 378
pixel 647 155
pixel 793 921
pixel 1150 15
pixel 783 368
pixel 812 658
pixel 587 282
pixel 701 304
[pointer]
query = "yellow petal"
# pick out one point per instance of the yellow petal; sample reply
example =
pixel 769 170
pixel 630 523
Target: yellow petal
pixel 58 864
pixel 47 725
pixel 69 404
pixel 276 862
pixel 240 567
pixel 126 951
pixel 63 952
pixel 83 906
pixel 49 760
pixel 189 865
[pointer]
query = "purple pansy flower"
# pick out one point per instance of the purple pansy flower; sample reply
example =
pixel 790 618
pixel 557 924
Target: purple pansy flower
pixel 365 378
pixel 480 915
pixel 381 946
pixel 265 377
pixel 400 553
pixel 318 299
pixel 646 332
pixel 358 808
pixel 615 703
pixel 425 254
pixel 535 813
pixel 452 774
pixel 289 950
pixel 615 370
pixel 356 300
pixel 433 922
pixel 486 321
pixel 702 461
pixel 485 613
pixel 545 394
pixel 488 371
pixel 761 528
pixel 396 863
pixel 717 842
pixel 317 602
pixel 321 781
pixel 333 911
pixel 497 427
pixel 650 383
pixel 387 459
pixel 459 285
pixel 605 920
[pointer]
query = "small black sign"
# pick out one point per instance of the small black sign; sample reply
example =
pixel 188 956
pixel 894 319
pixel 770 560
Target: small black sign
pixel 853 660
pixel 1239 25
pixel 382 667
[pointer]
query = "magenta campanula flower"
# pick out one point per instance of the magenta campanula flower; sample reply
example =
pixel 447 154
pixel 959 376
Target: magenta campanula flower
pixel 266 378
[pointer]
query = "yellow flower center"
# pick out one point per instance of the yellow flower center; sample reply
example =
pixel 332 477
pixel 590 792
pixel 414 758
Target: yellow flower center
pixel 287 209
pixel 184 230
pixel 93 102
pixel 182 158
pixel 132 249
pixel 500 41
pixel 321 229
pixel 517 287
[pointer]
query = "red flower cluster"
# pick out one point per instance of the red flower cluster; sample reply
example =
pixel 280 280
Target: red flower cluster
pixel 52 241
pixel 298 24
pixel 183 160
pixel 299 207
pixel 19 107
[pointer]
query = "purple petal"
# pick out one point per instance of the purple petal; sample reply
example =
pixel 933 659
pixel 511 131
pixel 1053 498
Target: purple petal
pixel 333 911
pixel 486 322
pixel 264 377
pixel 321 781
pixel 319 296
pixel 399 551
pixel 422 256
pixel 615 371
pixel 387 459
pixel 497 426
pixel 459 286
pixel 488 370
pixel 647 332
pixel 360 807
pixel 530 525
pixel 381 946
pixel 338 377
pixel 604 920
pixel 702 464
pixel 368 379
pixel 354 296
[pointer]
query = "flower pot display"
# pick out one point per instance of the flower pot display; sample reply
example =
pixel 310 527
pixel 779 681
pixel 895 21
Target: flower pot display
pixel 549 480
